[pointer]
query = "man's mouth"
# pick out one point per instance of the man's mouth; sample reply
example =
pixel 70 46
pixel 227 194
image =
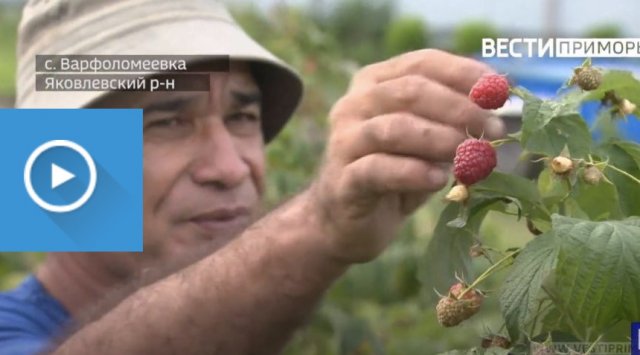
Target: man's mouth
pixel 222 220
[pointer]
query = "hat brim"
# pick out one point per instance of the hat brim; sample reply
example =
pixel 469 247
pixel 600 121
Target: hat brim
pixel 280 86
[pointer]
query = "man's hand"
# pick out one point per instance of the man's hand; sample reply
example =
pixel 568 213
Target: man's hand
pixel 392 138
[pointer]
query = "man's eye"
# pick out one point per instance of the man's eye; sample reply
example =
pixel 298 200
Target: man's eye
pixel 169 122
pixel 243 116
pixel 243 123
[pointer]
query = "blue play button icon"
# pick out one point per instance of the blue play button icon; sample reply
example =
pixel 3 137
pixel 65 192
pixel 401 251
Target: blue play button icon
pixel 72 180
pixel 59 176
pixel 58 189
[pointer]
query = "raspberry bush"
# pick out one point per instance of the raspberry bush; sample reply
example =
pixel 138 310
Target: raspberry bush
pixel 578 278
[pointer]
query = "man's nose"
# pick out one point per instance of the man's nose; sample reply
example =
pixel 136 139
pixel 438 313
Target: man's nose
pixel 218 160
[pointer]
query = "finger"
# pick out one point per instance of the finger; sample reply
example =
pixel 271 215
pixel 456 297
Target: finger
pixel 459 73
pixel 383 173
pixel 411 201
pixel 417 95
pixel 404 134
pixel 494 128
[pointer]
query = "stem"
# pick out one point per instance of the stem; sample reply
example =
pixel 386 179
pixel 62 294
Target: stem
pixel 563 205
pixel 624 173
pixel 593 345
pixel 499 142
pixel 488 272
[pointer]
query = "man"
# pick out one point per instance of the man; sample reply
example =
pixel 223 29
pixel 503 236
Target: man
pixel 211 280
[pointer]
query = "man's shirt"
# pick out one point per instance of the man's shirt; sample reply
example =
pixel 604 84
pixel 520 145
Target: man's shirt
pixel 30 318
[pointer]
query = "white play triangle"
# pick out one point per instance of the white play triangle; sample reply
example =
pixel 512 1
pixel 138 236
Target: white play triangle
pixel 59 176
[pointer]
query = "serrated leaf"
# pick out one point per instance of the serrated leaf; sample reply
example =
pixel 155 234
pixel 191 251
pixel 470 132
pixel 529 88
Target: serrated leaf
pixel 598 270
pixel 448 252
pixel 538 113
pixel 570 130
pixel 521 291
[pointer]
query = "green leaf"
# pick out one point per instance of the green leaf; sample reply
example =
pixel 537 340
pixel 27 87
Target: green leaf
pixel 624 156
pixel 632 221
pixel 538 113
pixel 509 185
pixel 599 202
pixel 524 191
pixel 598 271
pixel 550 125
pixel 520 295
pixel 552 189
pixel 448 252
pixel 570 131
pixel 632 149
pixel 622 82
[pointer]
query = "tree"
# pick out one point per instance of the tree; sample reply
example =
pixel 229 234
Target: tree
pixel 405 34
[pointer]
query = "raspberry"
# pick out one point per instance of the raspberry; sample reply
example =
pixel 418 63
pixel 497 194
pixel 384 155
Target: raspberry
pixel 587 78
pixel 498 341
pixel 473 299
pixel 491 91
pixel 450 311
pixel 475 159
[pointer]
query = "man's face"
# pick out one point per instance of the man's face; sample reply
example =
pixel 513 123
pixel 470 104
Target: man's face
pixel 203 164
pixel 203 167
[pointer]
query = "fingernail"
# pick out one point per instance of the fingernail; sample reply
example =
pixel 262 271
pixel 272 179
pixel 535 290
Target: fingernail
pixel 438 177
pixel 494 128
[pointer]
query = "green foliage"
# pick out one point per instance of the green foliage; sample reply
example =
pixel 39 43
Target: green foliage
pixel 468 36
pixel 610 30
pixel 520 295
pixel 360 25
pixel 8 28
pixel 448 252
pixel 598 274
pixel 579 280
pixel 406 34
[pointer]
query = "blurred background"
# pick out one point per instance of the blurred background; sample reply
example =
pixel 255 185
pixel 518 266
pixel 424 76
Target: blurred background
pixel 379 307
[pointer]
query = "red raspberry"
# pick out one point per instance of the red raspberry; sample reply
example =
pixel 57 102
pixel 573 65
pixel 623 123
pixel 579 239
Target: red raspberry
pixel 475 160
pixel 491 91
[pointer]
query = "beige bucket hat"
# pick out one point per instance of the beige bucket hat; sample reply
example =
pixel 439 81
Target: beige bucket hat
pixel 147 27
